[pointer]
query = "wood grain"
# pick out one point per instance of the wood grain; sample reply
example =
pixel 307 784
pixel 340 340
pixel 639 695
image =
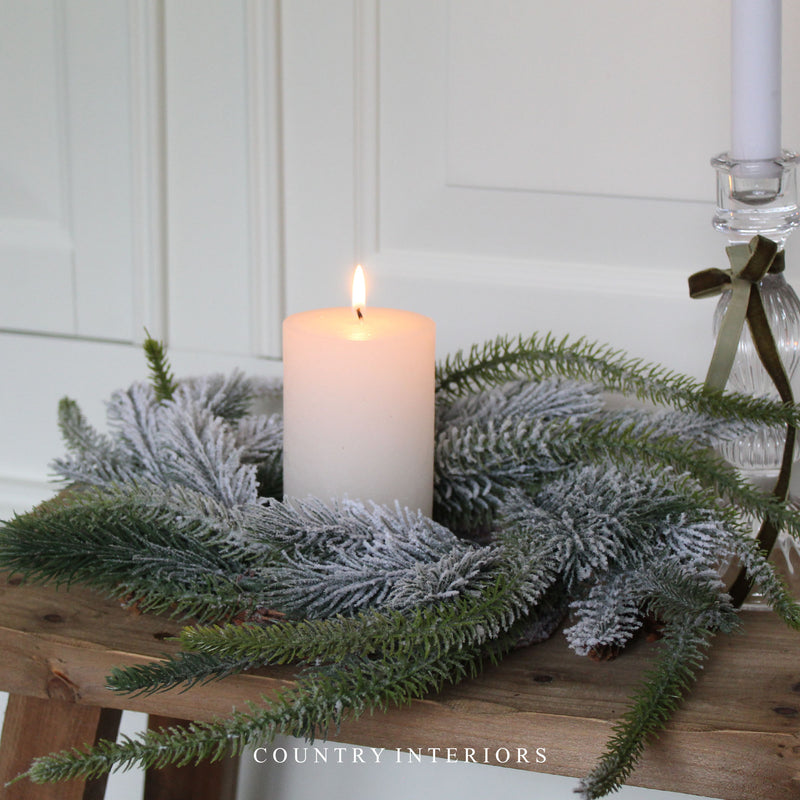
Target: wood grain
pixel 737 737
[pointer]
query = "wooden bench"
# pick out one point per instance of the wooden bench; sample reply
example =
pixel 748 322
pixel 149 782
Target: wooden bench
pixel 737 737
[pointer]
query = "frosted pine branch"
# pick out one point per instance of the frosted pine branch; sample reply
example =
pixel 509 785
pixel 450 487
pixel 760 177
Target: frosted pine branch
pixel 342 559
pixel 539 357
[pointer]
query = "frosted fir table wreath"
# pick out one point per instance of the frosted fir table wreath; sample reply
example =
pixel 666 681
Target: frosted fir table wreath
pixel 546 504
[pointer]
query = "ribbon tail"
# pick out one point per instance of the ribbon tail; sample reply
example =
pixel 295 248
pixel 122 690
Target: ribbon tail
pixel 765 345
pixel 768 532
pixel 768 353
pixel 729 334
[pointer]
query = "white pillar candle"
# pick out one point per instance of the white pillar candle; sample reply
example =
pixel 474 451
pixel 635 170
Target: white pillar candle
pixel 359 405
pixel 755 79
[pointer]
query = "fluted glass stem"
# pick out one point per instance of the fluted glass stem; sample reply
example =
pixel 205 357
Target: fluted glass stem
pixel 760 197
pixel 759 453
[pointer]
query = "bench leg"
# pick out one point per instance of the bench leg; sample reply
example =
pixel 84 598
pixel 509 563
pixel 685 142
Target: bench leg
pixel 205 781
pixel 35 727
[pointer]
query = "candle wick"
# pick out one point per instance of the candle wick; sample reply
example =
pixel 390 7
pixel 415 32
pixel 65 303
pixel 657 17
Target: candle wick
pixel 360 315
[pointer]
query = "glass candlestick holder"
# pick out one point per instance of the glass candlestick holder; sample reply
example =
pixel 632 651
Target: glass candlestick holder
pixel 760 197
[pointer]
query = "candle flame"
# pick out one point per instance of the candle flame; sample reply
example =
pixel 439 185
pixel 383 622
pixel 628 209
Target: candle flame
pixel 359 291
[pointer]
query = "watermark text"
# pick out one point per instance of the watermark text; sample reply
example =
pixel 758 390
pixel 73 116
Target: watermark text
pixel 336 754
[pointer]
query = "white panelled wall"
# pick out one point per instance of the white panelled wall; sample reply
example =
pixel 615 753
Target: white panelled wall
pixel 200 168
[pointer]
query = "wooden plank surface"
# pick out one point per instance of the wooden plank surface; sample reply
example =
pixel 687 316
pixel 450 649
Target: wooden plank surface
pixel 737 737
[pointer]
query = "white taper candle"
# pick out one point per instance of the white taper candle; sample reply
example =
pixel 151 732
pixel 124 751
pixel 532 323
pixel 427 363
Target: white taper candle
pixel 755 79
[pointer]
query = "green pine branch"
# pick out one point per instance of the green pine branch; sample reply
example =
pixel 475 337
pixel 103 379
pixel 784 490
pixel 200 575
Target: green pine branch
pixel 693 609
pixel 321 700
pixel 161 377
pixel 185 670
pixel 459 624
pixel 681 653
pixel 112 546
pixel 538 357
pixel 464 622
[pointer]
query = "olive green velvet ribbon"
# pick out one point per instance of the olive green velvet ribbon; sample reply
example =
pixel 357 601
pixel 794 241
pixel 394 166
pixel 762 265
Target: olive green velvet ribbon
pixel 749 264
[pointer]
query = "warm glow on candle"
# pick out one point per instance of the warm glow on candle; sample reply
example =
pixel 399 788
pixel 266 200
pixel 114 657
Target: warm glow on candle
pixel 359 405
pixel 359 291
